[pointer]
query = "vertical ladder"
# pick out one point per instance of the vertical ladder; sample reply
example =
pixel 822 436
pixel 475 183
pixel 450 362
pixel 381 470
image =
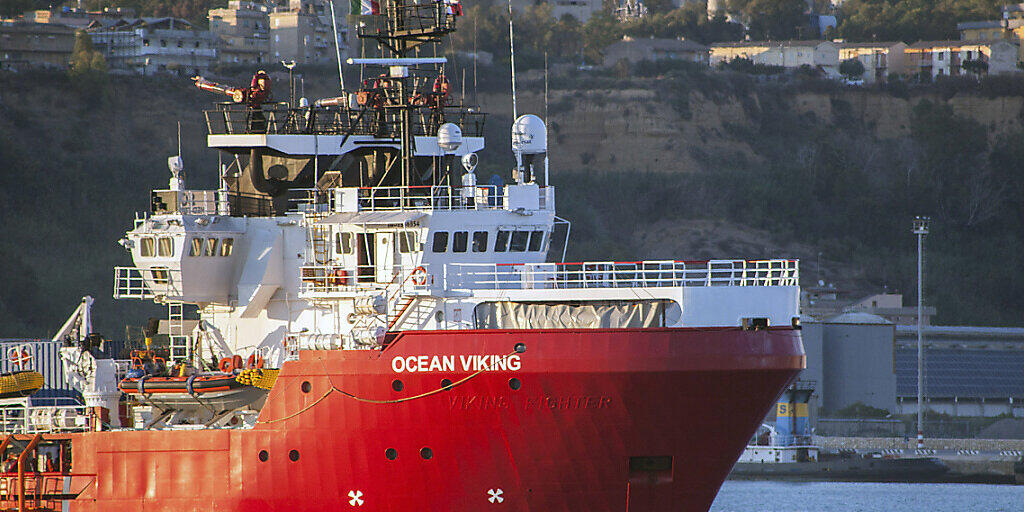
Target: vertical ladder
pixel 320 238
pixel 176 331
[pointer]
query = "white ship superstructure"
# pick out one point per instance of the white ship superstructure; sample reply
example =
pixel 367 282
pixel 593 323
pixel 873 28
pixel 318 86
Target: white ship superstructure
pixel 342 266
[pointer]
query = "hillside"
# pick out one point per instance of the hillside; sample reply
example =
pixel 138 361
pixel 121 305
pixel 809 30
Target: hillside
pixel 710 166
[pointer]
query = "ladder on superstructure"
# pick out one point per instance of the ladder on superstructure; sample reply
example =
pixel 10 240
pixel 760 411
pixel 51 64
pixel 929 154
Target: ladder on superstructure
pixel 176 331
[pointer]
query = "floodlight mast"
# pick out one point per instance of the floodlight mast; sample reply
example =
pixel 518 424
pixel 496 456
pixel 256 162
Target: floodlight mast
pixel 920 229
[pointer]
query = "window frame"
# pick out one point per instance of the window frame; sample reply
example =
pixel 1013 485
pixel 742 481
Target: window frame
pixel 520 241
pixel 227 246
pixel 147 247
pixel 210 246
pixel 409 241
pixel 195 246
pixel 439 242
pixel 480 241
pixel 538 236
pixel 460 241
pixel 501 240
pixel 162 243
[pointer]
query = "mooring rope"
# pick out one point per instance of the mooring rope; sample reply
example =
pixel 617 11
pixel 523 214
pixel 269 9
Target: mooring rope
pixel 375 401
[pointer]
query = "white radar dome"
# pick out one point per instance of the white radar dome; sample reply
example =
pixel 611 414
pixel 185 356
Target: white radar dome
pixel 529 135
pixel 449 137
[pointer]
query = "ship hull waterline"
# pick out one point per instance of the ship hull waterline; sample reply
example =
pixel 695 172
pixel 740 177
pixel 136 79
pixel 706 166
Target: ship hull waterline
pixel 603 419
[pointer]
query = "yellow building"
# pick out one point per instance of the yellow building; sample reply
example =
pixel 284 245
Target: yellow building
pixel 244 31
pixel 879 59
pixel 823 55
pixel 939 58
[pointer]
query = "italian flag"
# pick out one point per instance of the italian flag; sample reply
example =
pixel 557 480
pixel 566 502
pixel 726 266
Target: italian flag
pixel 365 7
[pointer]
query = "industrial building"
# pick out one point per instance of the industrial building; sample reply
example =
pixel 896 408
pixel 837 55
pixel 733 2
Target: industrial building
pixel 861 358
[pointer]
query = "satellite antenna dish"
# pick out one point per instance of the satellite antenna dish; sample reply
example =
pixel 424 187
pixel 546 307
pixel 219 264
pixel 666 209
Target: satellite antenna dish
pixel 469 161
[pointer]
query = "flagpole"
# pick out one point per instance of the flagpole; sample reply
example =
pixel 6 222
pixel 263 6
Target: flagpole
pixel 337 47
pixel 512 46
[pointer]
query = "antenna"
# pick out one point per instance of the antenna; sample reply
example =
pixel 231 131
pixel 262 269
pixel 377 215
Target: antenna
pixel 337 47
pixel 512 45
pixel 546 118
pixel 179 138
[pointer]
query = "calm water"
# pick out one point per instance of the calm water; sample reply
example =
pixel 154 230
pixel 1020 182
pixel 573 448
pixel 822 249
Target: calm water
pixel 754 496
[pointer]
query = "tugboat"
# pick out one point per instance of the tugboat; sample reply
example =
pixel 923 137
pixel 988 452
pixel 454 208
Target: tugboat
pixel 786 452
pixel 434 352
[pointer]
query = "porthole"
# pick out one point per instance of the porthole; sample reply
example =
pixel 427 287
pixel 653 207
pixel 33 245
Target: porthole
pixel 426 453
pixel 446 384
pixel 391 453
pixel 263 455
pixel 397 385
pixel 293 455
pixel 519 348
pixel 514 384
pixel 306 386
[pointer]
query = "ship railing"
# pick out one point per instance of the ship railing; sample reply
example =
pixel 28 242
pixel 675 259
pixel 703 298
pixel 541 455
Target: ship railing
pixel 280 119
pixel 635 274
pixel 147 283
pixel 426 197
pixel 23 418
pixel 328 278
pixel 210 202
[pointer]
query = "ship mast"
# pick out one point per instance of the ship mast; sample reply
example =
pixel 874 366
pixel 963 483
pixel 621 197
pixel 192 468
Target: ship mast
pixel 402 27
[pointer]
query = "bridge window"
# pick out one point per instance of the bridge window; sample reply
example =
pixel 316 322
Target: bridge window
pixel 440 241
pixel 460 241
pixel 211 247
pixel 196 247
pixel 407 242
pixel 226 246
pixel 165 247
pixel 519 241
pixel 501 241
pixel 343 243
pixel 536 240
pixel 146 248
pixel 479 241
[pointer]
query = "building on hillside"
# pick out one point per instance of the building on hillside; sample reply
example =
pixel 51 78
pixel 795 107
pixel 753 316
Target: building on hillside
pixel 243 28
pixel 1013 11
pixel 946 58
pixel 890 307
pixel 630 10
pixel 150 45
pixel 302 31
pixel 822 55
pixel 635 50
pixel 969 371
pixel 35 44
pixel 75 17
pixel 879 59
pixel 821 302
pixel 1010 29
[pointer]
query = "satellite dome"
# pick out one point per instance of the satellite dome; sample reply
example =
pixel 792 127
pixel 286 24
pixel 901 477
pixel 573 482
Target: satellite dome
pixel 449 137
pixel 529 135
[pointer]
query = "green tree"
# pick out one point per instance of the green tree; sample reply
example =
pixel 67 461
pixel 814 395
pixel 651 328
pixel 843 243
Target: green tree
pixel 911 20
pixel 851 69
pixel 773 19
pixel 976 67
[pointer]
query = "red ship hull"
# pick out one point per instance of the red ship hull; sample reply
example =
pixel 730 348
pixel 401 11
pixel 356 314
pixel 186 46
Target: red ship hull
pixel 618 420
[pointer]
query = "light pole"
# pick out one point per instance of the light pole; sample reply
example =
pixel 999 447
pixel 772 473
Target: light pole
pixel 920 229
pixel 290 65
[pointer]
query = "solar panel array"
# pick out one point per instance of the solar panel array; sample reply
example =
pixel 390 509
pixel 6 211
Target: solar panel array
pixel 962 373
